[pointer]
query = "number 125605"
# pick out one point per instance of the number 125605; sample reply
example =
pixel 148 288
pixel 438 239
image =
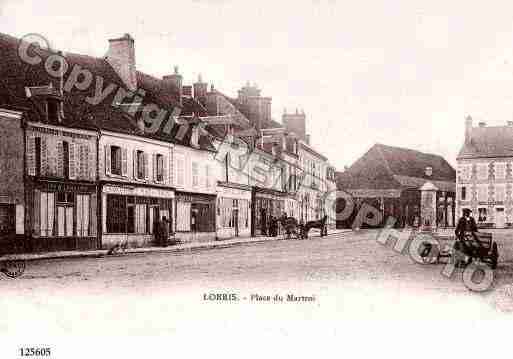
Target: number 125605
pixel 35 352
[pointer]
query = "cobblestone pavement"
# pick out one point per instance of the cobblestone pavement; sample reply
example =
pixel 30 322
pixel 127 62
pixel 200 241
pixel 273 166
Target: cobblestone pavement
pixel 348 275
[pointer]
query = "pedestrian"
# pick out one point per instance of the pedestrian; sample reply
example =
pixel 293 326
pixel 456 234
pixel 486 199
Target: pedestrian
pixel 157 232
pixel 272 227
pixel 164 232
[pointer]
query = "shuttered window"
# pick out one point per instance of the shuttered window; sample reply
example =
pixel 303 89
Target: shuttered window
pixel 83 215
pixel 140 218
pixel 47 212
pixel 183 216
pixel 180 170
pixel 195 174
pixel 116 160
pixel 159 163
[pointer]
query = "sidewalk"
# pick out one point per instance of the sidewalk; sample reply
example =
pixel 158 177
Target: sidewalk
pixel 183 247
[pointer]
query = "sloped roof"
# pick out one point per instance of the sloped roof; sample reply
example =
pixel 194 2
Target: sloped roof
pixel 79 112
pixel 387 167
pixel 494 141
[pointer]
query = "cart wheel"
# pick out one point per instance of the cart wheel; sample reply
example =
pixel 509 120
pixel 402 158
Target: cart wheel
pixel 495 255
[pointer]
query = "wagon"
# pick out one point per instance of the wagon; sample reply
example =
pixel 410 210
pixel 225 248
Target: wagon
pixel 482 248
pixel 464 250
pixel 293 230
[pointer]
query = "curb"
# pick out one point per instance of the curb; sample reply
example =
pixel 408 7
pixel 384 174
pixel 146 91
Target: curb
pixel 145 250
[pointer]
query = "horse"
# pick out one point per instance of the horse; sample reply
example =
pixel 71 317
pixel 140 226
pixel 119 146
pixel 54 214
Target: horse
pixel 320 224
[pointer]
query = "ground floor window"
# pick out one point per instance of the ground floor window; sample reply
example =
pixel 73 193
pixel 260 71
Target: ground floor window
pixel 195 213
pixel 234 213
pixel 183 216
pixel 134 214
pixel 7 219
pixel 64 214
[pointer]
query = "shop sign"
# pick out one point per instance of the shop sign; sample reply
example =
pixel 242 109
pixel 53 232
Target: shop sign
pixel 139 191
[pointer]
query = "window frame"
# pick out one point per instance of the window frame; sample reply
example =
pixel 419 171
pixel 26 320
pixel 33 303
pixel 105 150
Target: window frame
pixel 116 160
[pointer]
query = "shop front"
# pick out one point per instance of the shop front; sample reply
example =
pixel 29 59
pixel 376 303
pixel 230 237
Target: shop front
pixel 233 211
pixel 130 214
pixel 63 216
pixel 267 205
pixel 195 217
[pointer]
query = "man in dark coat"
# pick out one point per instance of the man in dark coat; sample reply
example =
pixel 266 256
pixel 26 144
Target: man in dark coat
pixel 467 223
pixel 164 228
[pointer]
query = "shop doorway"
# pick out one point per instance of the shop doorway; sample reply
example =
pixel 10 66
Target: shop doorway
pixel 500 221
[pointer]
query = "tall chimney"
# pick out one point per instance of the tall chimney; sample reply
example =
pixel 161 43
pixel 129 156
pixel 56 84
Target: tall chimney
pixel 296 123
pixel 200 89
pixel 121 56
pixel 307 139
pixel 173 84
pixel 468 130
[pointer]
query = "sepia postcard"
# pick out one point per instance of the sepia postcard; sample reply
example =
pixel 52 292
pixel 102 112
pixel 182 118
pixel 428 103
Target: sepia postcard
pixel 221 178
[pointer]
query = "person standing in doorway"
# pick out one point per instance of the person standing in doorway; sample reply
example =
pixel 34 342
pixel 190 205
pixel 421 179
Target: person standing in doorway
pixel 164 224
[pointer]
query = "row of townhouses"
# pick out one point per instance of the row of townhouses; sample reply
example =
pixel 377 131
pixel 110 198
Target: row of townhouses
pixel 94 152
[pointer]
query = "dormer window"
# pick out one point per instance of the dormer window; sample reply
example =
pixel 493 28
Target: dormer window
pixel 195 137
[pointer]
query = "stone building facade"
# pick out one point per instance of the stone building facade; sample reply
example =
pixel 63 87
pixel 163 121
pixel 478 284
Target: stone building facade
pixel 485 174
pixel 12 190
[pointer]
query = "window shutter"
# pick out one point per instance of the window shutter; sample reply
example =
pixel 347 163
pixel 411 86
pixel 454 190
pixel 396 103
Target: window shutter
pixel 60 159
pixel 72 168
pixel 79 157
pixel 124 162
pixel 84 160
pixel 90 163
pixel 44 156
pixel 31 156
pixel 164 169
pixel 77 161
pixel 134 157
pixel 146 166
pixel 36 223
pixel 92 215
pixel 154 163
pixel 108 164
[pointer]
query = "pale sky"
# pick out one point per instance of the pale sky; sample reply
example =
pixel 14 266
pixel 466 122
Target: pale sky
pixel 402 73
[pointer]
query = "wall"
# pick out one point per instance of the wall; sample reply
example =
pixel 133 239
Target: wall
pixel 131 144
pixel 183 159
pixel 82 152
pixel 11 159
pixel 491 184
pixel 11 169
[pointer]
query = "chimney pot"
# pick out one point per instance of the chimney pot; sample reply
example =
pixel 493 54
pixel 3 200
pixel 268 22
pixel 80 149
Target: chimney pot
pixel 482 124
pixel 468 130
